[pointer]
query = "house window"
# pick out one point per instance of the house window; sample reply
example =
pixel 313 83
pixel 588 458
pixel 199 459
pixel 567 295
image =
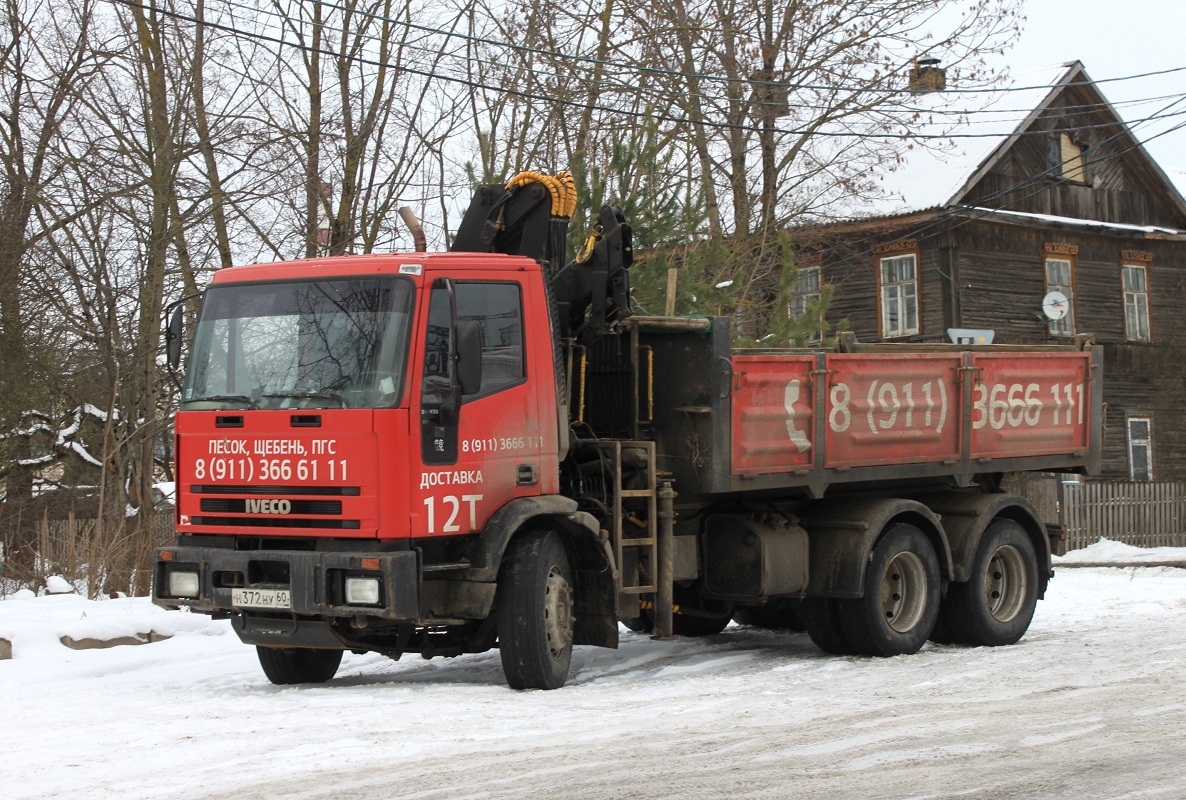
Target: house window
pixel 1136 302
pixel 805 298
pixel 1066 158
pixel 899 295
pixel 1140 448
pixel 1058 278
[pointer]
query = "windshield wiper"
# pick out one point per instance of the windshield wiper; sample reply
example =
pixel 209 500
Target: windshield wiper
pixel 224 398
pixel 309 396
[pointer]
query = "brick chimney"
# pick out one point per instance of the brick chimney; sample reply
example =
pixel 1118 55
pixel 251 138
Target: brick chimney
pixel 927 76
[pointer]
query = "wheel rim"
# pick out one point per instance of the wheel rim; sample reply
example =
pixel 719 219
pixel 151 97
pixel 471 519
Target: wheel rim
pixel 558 612
pixel 904 592
pixel 1005 583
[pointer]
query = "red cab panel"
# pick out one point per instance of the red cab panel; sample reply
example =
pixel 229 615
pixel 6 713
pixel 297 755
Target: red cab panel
pixel 501 443
pixel 292 472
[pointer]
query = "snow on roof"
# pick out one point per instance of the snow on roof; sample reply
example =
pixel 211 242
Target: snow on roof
pixel 1086 223
pixel 932 174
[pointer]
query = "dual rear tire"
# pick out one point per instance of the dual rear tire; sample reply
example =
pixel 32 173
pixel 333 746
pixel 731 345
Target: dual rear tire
pixel 996 605
pixel 900 607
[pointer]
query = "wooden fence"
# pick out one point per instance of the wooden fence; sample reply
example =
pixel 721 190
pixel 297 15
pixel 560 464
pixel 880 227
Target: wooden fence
pixel 101 559
pixel 1150 514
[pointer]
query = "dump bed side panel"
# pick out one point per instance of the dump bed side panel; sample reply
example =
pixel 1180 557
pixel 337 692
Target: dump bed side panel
pixel 783 422
pixel 895 409
pixel 838 417
pixel 773 415
pixel 1030 404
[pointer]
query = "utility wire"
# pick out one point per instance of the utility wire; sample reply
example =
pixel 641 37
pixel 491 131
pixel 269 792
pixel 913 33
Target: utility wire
pixel 1038 180
pixel 643 115
pixel 554 54
pixel 633 85
pixel 931 224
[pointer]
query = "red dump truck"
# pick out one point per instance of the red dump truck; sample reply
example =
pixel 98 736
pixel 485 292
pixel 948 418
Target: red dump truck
pixel 447 453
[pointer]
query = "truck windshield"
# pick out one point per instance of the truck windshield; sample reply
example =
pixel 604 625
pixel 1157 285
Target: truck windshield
pixel 312 344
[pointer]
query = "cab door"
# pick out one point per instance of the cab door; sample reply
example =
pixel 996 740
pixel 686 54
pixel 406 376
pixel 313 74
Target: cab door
pixel 479 444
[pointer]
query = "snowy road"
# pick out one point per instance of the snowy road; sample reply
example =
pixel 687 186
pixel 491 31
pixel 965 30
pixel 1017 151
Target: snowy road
pixel 1091 704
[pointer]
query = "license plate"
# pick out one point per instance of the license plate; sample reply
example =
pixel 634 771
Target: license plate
pixel 261 598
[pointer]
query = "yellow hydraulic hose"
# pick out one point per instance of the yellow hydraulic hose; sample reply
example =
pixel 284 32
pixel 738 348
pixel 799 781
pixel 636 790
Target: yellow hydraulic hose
pixel 561 186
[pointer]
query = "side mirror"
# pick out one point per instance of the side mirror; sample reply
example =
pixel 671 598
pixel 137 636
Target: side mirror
pixel 469 355
pixel 173 335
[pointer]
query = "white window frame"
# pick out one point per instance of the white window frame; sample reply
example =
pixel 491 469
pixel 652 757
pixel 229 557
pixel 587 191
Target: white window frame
pixel 807 288
pixel 1137 327
pixel 900 292
pixel 1066 325
pixel 1135 442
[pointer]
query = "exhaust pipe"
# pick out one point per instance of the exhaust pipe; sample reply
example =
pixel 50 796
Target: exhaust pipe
pixel 414 228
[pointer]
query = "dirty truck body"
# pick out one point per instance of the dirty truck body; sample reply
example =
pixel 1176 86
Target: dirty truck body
pixel 445 453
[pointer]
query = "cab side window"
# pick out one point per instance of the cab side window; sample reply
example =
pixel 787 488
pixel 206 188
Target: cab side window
pixel 498 309
pixel 438 362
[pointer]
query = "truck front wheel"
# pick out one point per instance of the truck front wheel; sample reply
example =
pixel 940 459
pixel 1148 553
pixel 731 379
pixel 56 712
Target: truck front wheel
pixel 901 600
pixel 997 603
pixel 534 615
pixel 288 665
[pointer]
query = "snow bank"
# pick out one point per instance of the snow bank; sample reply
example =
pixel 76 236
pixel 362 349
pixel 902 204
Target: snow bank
pixel 1106 551
pixel 35 625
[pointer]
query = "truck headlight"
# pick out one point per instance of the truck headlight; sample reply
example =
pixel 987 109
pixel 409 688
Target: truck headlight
pixel 184 584
pixel 362 591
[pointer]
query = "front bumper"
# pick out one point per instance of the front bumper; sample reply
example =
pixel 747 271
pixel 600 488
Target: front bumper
pixel 315 580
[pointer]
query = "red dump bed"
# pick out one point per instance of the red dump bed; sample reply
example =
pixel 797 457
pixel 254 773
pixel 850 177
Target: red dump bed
pixel 759 420
pixel 883 409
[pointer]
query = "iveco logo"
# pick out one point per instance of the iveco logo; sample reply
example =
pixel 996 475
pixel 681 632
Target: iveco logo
pixel 269 507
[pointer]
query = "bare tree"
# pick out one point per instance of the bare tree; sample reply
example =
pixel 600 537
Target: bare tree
pixel 793 106
pixel 352 123
pixel 46 61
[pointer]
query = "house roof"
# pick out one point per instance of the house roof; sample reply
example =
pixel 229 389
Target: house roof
pixel 940 174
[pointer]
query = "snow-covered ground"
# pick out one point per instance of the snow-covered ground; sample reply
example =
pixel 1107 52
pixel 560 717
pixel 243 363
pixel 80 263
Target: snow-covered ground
pixel 1091 704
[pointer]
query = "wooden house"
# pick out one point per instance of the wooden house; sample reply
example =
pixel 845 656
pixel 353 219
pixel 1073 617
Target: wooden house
pixel 1059 226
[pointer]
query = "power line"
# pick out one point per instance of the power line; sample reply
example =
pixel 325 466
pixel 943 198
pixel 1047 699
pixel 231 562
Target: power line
pixel 557 55
pixel 644 115
pixel 634 87
pixel 1160 115
pixel 1035 180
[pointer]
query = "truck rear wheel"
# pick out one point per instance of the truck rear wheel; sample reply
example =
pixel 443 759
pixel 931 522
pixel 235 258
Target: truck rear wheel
pixel 535 618
pixel 901 600
pixel 821 616
pixel 997 603
pixel 289 665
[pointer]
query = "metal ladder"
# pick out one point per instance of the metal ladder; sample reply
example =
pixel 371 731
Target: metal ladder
pixel 654 546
